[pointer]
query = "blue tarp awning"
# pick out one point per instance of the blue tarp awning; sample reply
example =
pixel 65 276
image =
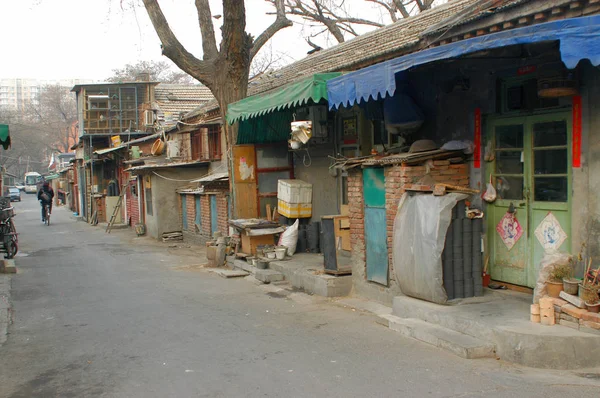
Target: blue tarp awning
pixel 579 39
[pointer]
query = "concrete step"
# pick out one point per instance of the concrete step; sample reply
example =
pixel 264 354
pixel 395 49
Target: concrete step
pixel 268 275
pixel 459 344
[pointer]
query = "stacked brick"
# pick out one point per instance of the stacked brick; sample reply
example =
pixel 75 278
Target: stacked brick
pixel 357 214
pixel 552 311
pixel 190 212
pixel 205 215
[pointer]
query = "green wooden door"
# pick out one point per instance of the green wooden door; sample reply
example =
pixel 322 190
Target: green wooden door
pixel 532 171
pixel 375 225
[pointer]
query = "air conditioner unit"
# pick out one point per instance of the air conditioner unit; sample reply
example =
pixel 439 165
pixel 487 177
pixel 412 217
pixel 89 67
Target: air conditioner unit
pixel 148 118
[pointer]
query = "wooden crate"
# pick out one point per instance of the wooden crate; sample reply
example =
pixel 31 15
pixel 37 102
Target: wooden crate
pixel 250 243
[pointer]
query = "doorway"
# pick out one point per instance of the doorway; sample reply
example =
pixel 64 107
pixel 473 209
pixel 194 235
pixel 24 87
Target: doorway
pixel 531 171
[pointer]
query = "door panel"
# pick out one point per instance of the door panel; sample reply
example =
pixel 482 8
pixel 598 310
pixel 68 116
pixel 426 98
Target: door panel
pixel 198 212
pixel 375 225
pixel 531 171
pixel 213 214
pixel 184 211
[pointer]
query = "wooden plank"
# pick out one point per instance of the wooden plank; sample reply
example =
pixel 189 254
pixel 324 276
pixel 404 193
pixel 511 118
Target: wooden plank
pixel 516 288
pixel 246 201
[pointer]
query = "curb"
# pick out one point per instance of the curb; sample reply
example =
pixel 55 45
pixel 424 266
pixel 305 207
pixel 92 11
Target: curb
pixel 5 307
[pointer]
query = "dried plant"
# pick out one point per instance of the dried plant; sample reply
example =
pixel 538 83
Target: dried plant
pixel 560 272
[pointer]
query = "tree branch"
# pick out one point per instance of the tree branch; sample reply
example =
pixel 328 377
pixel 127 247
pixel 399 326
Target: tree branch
pixel 402 8
pixel 209 43
pixel 281 22
pixel 174 50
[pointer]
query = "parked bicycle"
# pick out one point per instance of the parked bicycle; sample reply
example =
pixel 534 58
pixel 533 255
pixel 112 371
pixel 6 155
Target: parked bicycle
pixel 8 232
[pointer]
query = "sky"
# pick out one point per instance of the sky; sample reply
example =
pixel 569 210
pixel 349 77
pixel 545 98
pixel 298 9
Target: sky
pixel 88 39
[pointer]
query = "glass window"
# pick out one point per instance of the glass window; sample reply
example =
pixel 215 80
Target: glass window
pixel 550 134
pixel 552 161
pixel 272 157
pixel 267 182
pixel 509 162
pixel 509 136
pixel 509 187
pixel 551 189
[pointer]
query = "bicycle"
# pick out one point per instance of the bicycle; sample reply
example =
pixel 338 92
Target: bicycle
pixel 47 214
pixel 8 233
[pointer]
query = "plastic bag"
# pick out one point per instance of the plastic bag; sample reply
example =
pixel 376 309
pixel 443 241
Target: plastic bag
pixel 490 192
pixel 547 264
pixel 289 238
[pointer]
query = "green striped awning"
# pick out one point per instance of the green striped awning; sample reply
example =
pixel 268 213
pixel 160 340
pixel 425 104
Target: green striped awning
pixel 4 136
pixel 291 95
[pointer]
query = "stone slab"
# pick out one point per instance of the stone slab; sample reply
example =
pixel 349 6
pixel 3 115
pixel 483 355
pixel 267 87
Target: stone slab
pixel 460 344
pixel 229 273
pixel 574 300
pixel 8 266
pixel 268 275
pixel 569 324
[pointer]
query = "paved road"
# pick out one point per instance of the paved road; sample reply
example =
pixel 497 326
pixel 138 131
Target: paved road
pixel 119 316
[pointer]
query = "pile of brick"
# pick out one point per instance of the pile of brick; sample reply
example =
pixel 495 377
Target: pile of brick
pixel 551 311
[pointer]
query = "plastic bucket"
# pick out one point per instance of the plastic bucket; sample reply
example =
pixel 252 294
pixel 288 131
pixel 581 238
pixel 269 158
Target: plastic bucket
pixel 280 252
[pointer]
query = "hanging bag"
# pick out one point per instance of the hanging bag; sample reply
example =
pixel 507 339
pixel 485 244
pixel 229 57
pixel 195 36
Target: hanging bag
pixel 490 192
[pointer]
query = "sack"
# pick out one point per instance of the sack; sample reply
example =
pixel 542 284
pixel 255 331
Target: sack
pixel 490 192
pixel 45 197
pixel 289 238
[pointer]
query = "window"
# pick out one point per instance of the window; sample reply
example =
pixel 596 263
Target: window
pixel 206 143
pixel 148 194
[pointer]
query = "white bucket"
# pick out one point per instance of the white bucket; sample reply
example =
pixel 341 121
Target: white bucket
pixel 271 255
pixel 280 252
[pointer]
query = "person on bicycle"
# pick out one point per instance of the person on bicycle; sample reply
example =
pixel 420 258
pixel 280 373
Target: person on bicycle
pixel 45 196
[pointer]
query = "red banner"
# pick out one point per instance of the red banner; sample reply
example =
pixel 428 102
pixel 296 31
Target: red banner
pixel 576 131
pixel 477 141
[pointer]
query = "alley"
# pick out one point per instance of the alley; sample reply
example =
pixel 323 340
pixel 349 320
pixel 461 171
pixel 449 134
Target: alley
pixel 120 316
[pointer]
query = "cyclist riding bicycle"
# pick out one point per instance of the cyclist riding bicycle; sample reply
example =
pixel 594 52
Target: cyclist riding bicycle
pixel 45 196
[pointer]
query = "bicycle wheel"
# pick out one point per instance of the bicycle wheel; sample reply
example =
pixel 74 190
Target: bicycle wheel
pixel 11 247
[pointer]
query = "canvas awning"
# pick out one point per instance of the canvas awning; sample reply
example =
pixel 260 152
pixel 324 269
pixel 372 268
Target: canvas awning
pixel 579 39
pixel 294 94
pixel 4 136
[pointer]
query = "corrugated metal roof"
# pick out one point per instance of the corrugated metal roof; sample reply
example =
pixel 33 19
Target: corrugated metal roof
pixel 213 177
pixel 168 165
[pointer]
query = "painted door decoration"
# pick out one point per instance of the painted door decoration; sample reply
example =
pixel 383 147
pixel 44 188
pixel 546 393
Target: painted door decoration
pixel 184 211
pixel 530 170
pixel 213 214
pixel 198 213
pixel 375 225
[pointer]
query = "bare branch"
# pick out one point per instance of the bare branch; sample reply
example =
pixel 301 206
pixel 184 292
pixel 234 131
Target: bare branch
pixel 172 48
pixel 401 8
pixel 281 22
pixel 209 43
pixel 389 7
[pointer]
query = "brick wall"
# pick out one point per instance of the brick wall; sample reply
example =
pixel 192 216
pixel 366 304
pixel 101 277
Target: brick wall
pixel 395 178
pixel 205 207
pixel 356 210
pixel 190 215
pixel 133 210
pixel 222 219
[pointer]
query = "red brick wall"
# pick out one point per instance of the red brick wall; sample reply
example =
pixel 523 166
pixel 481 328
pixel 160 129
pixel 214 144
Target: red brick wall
pixel 222 219
pixel 133 211
pixel 356 210
pixel 205 209
pixel 190 203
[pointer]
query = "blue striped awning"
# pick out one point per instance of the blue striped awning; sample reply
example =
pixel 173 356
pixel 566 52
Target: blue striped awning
pixel 579 39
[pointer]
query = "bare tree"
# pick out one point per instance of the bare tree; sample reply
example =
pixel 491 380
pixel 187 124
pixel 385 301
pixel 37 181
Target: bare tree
pixel 160 71
pixel 340 21
pixel 223 69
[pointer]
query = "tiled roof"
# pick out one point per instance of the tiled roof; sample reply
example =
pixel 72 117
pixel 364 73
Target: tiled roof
pixel 385 42
pixel 175 99
pixel 389 40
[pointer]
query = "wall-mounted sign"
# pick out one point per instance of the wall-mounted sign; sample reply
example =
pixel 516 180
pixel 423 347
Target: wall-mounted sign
pixel 509 229
pixel 550 234
pixel 349 130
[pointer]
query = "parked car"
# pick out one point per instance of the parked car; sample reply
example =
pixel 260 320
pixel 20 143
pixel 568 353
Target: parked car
pixel 14 194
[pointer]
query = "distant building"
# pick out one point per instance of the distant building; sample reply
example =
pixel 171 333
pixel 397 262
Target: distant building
pixel 17 93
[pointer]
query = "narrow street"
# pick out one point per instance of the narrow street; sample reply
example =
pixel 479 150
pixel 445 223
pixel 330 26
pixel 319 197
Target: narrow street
pixel 120 316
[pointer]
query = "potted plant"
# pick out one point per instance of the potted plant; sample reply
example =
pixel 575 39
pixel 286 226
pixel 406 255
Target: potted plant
pixel 570 284
pixel 554 285
pixel 590 296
